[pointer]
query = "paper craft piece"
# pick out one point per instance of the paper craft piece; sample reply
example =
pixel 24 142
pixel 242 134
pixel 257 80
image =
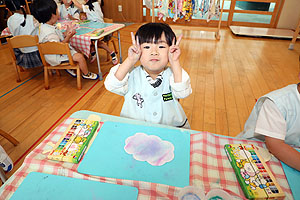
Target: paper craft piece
pixel 293 177
pixel 40 186
pixel 149 148
pixel 97 25
pixel 82 31
pixel 95 33
pixel 107 157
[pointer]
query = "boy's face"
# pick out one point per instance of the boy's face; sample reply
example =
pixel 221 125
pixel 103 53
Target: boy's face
pixel 154 57
pixel 82 16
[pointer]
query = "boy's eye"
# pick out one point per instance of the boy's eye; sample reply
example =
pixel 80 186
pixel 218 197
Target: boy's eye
pixel 161 47
pixel 146 47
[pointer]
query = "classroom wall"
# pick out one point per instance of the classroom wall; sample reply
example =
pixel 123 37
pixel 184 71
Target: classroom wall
pixel 290 15
pixel 131 10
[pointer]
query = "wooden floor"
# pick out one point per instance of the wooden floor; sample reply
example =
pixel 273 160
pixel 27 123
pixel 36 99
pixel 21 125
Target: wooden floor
pixel 227 77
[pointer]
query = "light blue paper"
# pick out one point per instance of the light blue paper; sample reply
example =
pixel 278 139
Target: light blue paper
pixel 96 25
pixel 82 31
pixel 107 157
pixel 40 186
pixel 293 178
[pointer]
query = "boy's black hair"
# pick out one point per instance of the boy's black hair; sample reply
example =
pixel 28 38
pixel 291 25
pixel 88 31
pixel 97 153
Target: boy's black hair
pixel 42 10
pixel 90 4
pixel 151 32
pixel 14 5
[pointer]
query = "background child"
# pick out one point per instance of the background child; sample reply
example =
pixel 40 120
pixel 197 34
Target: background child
pixel 22 24
pixel 82 16
pixel 45 11
pixel 67 10
pixel 275 119
pixel 94 13
pixel 151 90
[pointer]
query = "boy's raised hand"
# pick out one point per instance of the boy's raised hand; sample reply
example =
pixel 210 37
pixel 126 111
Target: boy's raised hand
pixel 174 51
pixel 134 51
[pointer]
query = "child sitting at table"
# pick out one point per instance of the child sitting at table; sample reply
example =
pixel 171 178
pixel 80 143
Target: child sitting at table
pixel 275 119
pixel 82 16
pixel 67 10
pixel 94 13
pixel 152 90
pixel 21 23
pixel 45 11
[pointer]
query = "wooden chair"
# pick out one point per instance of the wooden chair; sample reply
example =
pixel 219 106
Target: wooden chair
pixel 20 41
pixel 58 48
pixel 108 57
pixel 9 137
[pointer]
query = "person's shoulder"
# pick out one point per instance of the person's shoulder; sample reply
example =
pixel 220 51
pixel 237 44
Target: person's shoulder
pixel 47 28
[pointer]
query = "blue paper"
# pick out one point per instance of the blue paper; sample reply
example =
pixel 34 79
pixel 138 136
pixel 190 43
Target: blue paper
pixel 293 177
pixel 107 157
pixel 96 25
pixel 40 186
pixel 82 31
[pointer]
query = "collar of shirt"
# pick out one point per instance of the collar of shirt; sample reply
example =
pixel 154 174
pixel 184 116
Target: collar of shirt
pixel 155 83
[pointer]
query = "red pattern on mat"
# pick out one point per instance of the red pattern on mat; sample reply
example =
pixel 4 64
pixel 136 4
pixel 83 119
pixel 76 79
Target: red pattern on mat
pixel 209 168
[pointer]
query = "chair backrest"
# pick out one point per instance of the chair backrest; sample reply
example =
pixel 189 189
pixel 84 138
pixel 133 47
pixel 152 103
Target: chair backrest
pixel 107 20
pixel 54 48
pixel 21 41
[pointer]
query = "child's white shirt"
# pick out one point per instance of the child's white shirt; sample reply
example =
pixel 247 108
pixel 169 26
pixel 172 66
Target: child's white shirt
pixel 49 33
pixel 270 121
pixel 64 12
pixel 30 28
pixel 94 15
pixel 144 102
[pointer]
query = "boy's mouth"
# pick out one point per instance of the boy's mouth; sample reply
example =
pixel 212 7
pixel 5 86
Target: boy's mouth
pixel 154 60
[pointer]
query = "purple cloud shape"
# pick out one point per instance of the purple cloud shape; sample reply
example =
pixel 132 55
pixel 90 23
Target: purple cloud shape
pixel 149 148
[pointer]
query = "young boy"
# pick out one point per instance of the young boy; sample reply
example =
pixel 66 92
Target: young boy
pixel 45 11
pixel 275 119
pixel 151 90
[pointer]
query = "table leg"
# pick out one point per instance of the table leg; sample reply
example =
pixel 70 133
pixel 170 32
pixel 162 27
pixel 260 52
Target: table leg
pixel 98 61
pixel 120 49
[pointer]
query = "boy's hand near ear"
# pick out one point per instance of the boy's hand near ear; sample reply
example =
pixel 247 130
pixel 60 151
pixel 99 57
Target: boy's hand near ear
pixel 134 51
pixel 134 54
pixel 174 54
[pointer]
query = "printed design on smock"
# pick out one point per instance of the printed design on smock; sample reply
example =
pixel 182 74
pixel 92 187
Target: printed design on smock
pixel 167 97
pixel 139 99
pixel 150 148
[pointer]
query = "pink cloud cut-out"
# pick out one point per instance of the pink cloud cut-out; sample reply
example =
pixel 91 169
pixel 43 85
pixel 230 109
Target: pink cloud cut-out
pixel 149 148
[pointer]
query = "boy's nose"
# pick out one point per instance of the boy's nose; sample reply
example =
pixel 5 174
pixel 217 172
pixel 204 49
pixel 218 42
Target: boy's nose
pixel 154 52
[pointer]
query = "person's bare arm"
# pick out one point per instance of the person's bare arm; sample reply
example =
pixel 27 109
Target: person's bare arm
pixel 283 152
pixel 77 4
